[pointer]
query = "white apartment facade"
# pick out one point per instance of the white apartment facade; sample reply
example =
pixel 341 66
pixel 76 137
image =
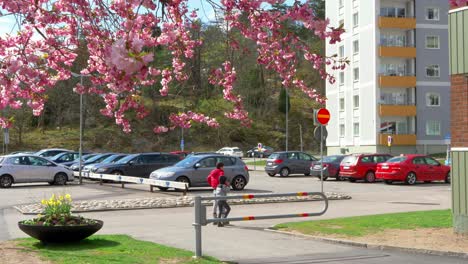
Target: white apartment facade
pixel 397 81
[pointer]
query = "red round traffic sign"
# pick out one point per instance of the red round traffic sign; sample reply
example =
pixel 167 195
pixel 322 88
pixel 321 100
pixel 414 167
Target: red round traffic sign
pixel 323 116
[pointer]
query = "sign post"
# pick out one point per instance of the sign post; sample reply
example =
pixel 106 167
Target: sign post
pixel 448 139
pixel 389 144
pixel 321 118
pixel 6 139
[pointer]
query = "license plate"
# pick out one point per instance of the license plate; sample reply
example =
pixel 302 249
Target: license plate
pixel 317 167
pixel 270 163
pixel 384 167
pixel 346 167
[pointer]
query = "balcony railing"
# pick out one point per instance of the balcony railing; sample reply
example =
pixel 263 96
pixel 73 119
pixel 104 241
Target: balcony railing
pixel 397 110
pixel 397 22
pixel 397 80
pixel 398 139
pixel 396 51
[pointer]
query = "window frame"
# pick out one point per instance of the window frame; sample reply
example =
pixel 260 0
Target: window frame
pixel 342 135
pixel 356 50
pixel 355 19
pixel 341 78
pixel 354 74
pixel 356 106
pixel 342 106
pixel 430 36
pixel 428 99
pixel 358 129
pixel 436 68
pixel 428 128
pixel 427 13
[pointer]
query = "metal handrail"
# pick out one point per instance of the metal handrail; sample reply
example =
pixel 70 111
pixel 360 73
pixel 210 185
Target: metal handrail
pixel 201 220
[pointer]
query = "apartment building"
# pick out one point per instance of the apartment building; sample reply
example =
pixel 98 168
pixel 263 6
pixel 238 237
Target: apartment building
pixel 397 82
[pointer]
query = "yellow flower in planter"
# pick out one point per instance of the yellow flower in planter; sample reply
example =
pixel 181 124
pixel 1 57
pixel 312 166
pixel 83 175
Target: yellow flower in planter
pixel 44 202
pixel 68 197
pixel 61 197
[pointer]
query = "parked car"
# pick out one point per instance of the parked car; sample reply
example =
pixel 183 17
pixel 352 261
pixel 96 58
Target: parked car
pixel 264 152
pixel 109 160
pixel 66 157
pixel 25 152
pixel 95 159
pixel 139 165
pixel 77 160
pixel 50 152
pixel 361 166
pixel 29 168
pixel 285 163
pixel 411 169
pixel 331 167
pixel 194 170
pixel 231 151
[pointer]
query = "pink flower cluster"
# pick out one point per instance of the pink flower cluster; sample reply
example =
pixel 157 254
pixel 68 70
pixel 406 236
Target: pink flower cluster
pixel 121 38
pixel 456 3
pixel 225 78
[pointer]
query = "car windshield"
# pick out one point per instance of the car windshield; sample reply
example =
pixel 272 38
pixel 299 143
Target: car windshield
pixel 274 156
pixel 58 156
pixel 349 159
pixel 331 158
pixel 98 157
pixel 127 159
pixel 112 159
pixel 397 159
pixel 236 149
pixel 187 162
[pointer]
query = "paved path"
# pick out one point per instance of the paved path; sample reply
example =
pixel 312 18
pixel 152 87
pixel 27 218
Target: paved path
pixel 247 242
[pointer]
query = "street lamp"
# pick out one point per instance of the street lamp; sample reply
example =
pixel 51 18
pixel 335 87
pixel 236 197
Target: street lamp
pixel 81 125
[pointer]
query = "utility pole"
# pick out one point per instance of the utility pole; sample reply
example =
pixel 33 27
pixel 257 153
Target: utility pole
pixel 300 135
pixel 287 113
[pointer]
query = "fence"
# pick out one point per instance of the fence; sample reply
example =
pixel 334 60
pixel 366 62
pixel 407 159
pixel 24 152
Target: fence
pixel 201 220
pixel 130 179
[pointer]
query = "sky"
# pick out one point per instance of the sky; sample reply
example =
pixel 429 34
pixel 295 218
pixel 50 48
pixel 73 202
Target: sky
pixel 205 12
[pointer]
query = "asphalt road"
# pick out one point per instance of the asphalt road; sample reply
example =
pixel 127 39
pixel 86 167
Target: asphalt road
pixel 246 242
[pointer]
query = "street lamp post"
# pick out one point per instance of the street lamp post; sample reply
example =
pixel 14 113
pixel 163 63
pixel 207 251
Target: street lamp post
pixel 80 155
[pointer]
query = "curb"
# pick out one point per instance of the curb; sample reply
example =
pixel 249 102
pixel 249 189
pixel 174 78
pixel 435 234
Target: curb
pixel 462 255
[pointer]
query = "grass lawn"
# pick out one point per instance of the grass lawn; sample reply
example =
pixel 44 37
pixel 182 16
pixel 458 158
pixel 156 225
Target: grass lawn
pixel 257 163
pixel 363 225
pixel 104 249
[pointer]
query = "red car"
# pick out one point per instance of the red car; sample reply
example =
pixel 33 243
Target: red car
pixel 361 166
pixel 413 168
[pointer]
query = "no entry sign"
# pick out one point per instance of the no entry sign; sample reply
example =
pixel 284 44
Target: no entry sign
pixel 322 116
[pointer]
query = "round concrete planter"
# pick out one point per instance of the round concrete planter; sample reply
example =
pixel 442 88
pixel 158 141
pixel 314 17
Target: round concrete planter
pixel 61 234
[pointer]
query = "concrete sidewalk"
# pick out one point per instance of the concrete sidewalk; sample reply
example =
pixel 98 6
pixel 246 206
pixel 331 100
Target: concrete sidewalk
pixel 247 242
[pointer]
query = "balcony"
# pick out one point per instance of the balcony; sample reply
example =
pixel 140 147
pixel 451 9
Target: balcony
pixel 402 52
pixel 398 140
pixel 397 110
pixel 397 22
pixel 407 81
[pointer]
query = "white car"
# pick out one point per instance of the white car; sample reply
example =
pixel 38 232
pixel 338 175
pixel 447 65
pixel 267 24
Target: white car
pixel 29 168
pixel 229 151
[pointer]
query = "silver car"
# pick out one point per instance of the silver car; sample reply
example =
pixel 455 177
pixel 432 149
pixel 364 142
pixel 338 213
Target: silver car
pixel 29 168
pixel 195 169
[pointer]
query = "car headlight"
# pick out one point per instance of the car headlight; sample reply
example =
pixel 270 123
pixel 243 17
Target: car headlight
pixel 101 170
pixel 163 174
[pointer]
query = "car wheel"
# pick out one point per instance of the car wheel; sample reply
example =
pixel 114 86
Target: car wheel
pixel 238 183
pixel 60 179
pixel 448 179
pixel 352 180
pixel 324 178
pixel 184 179
pixel 117 173
pixel 370 177
pixel 6 181
pixel 411 178
pixel 388 181
pixel 271 174
pixel 307 174
pixel 338 177
pixel 284 172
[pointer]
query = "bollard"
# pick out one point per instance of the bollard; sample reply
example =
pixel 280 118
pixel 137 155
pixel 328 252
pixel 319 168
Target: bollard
pixel 123 185
pixel 100 181
pixel 151 188
pixel 198 227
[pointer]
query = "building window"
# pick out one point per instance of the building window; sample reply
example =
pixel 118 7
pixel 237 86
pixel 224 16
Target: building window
pixel 356 46
pixel 341 23
pixel 393 12
pixel 341 3
pixel 356 101
pixel 432 14
pixel 356 74
pixel 433 71
pixel 433 128
pixel 341 104
pixel 356 19
pixel 356 129
pixel 341 78
pixel 341 51
pixel 393 40
pixel 342 130
pixel 432 42
pixel 433 99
